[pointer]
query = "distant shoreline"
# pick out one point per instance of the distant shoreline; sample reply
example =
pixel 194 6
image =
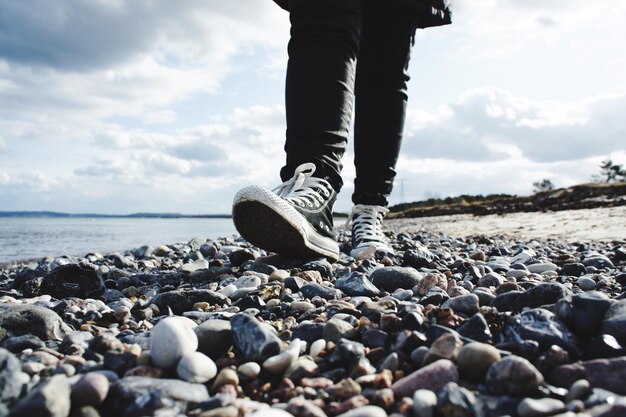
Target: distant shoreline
pixel 54 214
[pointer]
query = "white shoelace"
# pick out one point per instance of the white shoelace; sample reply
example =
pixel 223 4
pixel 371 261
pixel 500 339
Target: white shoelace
pixel 303 189
pixel 367 223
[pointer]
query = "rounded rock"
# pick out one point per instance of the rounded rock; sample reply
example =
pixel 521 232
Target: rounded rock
pixel 586 283
pixel 531 407
pixel 424 402
pixel 513 376
pixel 91 389
pixel 170 340
pixel 366 411
pixel 196 367
pixel 249 369
pixel 474 360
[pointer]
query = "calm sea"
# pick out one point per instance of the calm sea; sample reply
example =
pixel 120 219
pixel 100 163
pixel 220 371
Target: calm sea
pixel 31 238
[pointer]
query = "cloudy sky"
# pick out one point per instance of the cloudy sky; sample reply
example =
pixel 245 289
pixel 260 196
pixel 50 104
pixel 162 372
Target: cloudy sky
pixel 119 106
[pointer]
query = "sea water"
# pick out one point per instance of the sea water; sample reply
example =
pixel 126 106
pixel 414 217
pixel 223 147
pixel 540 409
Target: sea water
pixel 24 238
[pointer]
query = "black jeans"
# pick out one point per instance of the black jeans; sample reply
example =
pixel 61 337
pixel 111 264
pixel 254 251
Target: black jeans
pixel 340 50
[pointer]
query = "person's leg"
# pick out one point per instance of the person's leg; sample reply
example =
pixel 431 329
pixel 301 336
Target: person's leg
pixel 320 80
pixel 388 32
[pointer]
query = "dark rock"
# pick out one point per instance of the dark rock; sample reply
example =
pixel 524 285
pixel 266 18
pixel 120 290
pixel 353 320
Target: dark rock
pixel 316 290
pixel 20 319
pixel 50 399
pixel 183 300
pixel 615 321
pixel 105 342
pixel 119 362
pixel 603 346
pixel 599 262
pixel 322 266
pixel 374 338
pixel 347 353
pixel 240 256
pixel 142 396
pixel 544 294
pixel 509 301
pixel 253 340
pixel 250 301
pixel 513 376
pixel 294 283
pixel 19 343
pixel 589 309
pixel 73 281
pixel 261 267
pixel 476 328
pixel 418 257
pixel 309 332
pixel 573 269
pixel 12 379
pixel 608 374
pixel 394 277
pixel 463 304
pixel 356 284
pixel 214 338
pixel 541 326
pixel 454 400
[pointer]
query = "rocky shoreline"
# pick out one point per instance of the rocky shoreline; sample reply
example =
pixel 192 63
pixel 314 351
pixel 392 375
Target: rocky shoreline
pixel 444 326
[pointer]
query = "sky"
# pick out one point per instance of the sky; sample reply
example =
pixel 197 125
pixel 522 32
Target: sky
pixel 122 106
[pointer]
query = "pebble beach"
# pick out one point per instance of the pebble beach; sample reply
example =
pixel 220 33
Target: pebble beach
pixel 520 315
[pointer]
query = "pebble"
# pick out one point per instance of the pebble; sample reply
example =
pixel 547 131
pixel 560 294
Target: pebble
pixel 214 337
pixel 196 367
pixel 433 377
pixel 171 339
pixel 530 407
pixel 317 347
pixel 271 412
pixel 540 268
pixel 226 376
pixel 366 411
pixel 475 359
pixel 356 284
pixel 91 389
pixel 424 402
pixel 249 369
pixel 586 283
pixel 614 322
pixel 394 277
pixel 513 376
pixel 50 399
pixel 464 304
pixel 279 363
pixel 252 339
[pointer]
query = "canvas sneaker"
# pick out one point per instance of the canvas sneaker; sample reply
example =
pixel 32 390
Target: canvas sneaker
pixel 295 219
pixel 367 228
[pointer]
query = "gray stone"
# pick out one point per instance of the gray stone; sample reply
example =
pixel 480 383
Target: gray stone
pixel 214 337
pixel 475 359
pixel 252 339
pixel 91 389
pixel 599 262
pixel 356 284
pixel 20 319
pixel 586 283
pixel 316 290
pixel 513 376
pixel 531 407
pixel 394 277
pixel 142 396
pixel 336 329
pixel 183 300
pixel 540 268
pixel 454 400
pixel 464 304
pixel 588 309
pixel 12 379
pixel 608 374
pixel 50 399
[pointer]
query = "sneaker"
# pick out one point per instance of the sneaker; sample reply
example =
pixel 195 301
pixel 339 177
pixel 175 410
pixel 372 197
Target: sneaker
pixel 295 219
pixel 367 229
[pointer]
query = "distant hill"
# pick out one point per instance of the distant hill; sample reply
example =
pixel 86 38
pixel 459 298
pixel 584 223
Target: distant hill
pixel 100 215
pixel 583 196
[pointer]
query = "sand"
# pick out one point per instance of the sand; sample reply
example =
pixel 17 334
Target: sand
pixel 599 224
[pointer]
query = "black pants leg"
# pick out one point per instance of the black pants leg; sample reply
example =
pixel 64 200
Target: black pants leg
pixel 319 88
pixel 328 38
pixel 388 33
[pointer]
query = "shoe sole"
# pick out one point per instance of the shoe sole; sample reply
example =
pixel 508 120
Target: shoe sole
pixel 267 221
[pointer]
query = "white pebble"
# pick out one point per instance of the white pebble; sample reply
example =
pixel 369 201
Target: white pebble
pixel 228 290
pixel 170 341
pixel 249 369
pixel 279 363
pixel 271 412
pixel 367 411
pixel 196 367
pixel 317 347
pixel 424 402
